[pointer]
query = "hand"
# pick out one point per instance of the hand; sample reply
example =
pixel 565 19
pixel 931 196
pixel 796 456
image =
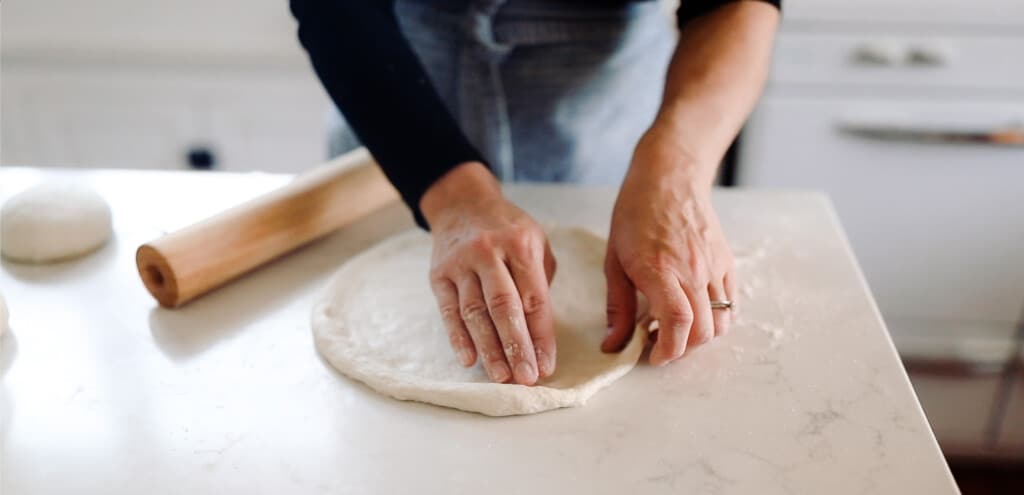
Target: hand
pixel 666 242
pixel 490 272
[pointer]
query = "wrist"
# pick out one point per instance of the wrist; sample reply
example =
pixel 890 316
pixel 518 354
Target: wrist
pixel 662 152
pixel 462 186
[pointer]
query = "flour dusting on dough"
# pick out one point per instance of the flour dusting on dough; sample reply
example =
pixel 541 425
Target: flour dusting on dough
pixel 377 322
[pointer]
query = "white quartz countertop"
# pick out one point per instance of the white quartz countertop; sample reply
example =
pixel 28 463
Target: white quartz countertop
pixel 105 392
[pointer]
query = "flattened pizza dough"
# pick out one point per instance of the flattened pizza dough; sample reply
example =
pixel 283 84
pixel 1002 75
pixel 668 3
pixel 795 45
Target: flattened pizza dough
pixel 378 323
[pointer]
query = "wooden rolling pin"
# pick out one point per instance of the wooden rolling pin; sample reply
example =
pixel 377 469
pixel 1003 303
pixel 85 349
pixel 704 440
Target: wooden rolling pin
pixel 186 264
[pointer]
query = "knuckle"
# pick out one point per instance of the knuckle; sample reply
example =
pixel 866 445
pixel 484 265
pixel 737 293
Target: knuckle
pixel 612 309
pixel 528 245
pixel 505 303
pixel 702 335
pixel 726 263
pixel 674 342
pixel 656 263
pixel 494 357
pixel 696 283
pixel 451 315
pixel 458 339
pixel 520 243
pixel 679 318
pixel 438 276
pixel 651 267
pixel 615 310
pixel 514 351
pixel 474 311
pixel 534 303
pixel 698 267
pixel 436 273
pixel 482 244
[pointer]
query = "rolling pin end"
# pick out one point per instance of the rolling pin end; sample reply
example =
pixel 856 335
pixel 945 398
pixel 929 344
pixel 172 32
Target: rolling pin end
pixel 157 275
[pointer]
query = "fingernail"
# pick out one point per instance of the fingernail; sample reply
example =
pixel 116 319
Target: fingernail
pixel 465 357
pixel 525 372
pixel 499 373
pixel 545 362
pixel 658 360
pixel 608 331
pixel 606 346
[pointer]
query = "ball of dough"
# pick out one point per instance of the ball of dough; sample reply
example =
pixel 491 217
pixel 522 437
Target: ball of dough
pixel 53 221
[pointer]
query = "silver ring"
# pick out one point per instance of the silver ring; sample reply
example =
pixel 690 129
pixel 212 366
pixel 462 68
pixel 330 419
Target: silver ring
pixel 724 304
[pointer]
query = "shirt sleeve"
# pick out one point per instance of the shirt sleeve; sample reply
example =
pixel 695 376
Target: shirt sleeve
pixel 371 73
pixel 691 9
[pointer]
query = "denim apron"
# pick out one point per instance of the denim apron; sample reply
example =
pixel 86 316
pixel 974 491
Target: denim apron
pixel 548 91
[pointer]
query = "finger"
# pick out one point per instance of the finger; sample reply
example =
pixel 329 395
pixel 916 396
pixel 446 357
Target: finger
pixel 506 308
pixel 703 328
pixel 722 317
pixel 731 292
pixel 531 281
pixel 674 314
pixel 550 264
pixel 477 318
pixel 620 306
pixel 448 302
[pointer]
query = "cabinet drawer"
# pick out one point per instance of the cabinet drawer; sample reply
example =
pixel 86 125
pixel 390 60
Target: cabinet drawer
pixel 958 371
pixel 1011 438
pixel 984 14
pixel 130 117
pixel 910 62
pixel 959 410
pixel 937 228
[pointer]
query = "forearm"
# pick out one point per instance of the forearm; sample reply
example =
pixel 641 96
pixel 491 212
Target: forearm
pixel 714 79
pixel 372 74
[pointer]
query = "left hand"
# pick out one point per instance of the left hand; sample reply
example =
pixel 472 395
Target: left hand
pixel 666 242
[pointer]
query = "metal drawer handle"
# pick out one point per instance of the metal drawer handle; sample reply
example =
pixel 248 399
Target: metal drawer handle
pixel 874 55
pixel 921 56
pixel 1008 136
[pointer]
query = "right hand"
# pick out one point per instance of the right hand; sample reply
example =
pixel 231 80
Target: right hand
pixel 490 272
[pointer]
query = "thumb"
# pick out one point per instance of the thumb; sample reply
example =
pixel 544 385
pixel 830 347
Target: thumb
pixel 621 305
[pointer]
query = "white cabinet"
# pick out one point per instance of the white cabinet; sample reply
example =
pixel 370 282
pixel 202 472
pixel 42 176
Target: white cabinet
pixel 139 84
pixel 937 227
pixel 919 63
pixel 869 15
pixel 891 121
pixel 227 33
pixel 74 119
pixel 124 117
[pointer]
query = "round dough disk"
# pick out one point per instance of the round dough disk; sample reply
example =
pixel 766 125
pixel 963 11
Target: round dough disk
pixel 378 322
pixel 53 221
